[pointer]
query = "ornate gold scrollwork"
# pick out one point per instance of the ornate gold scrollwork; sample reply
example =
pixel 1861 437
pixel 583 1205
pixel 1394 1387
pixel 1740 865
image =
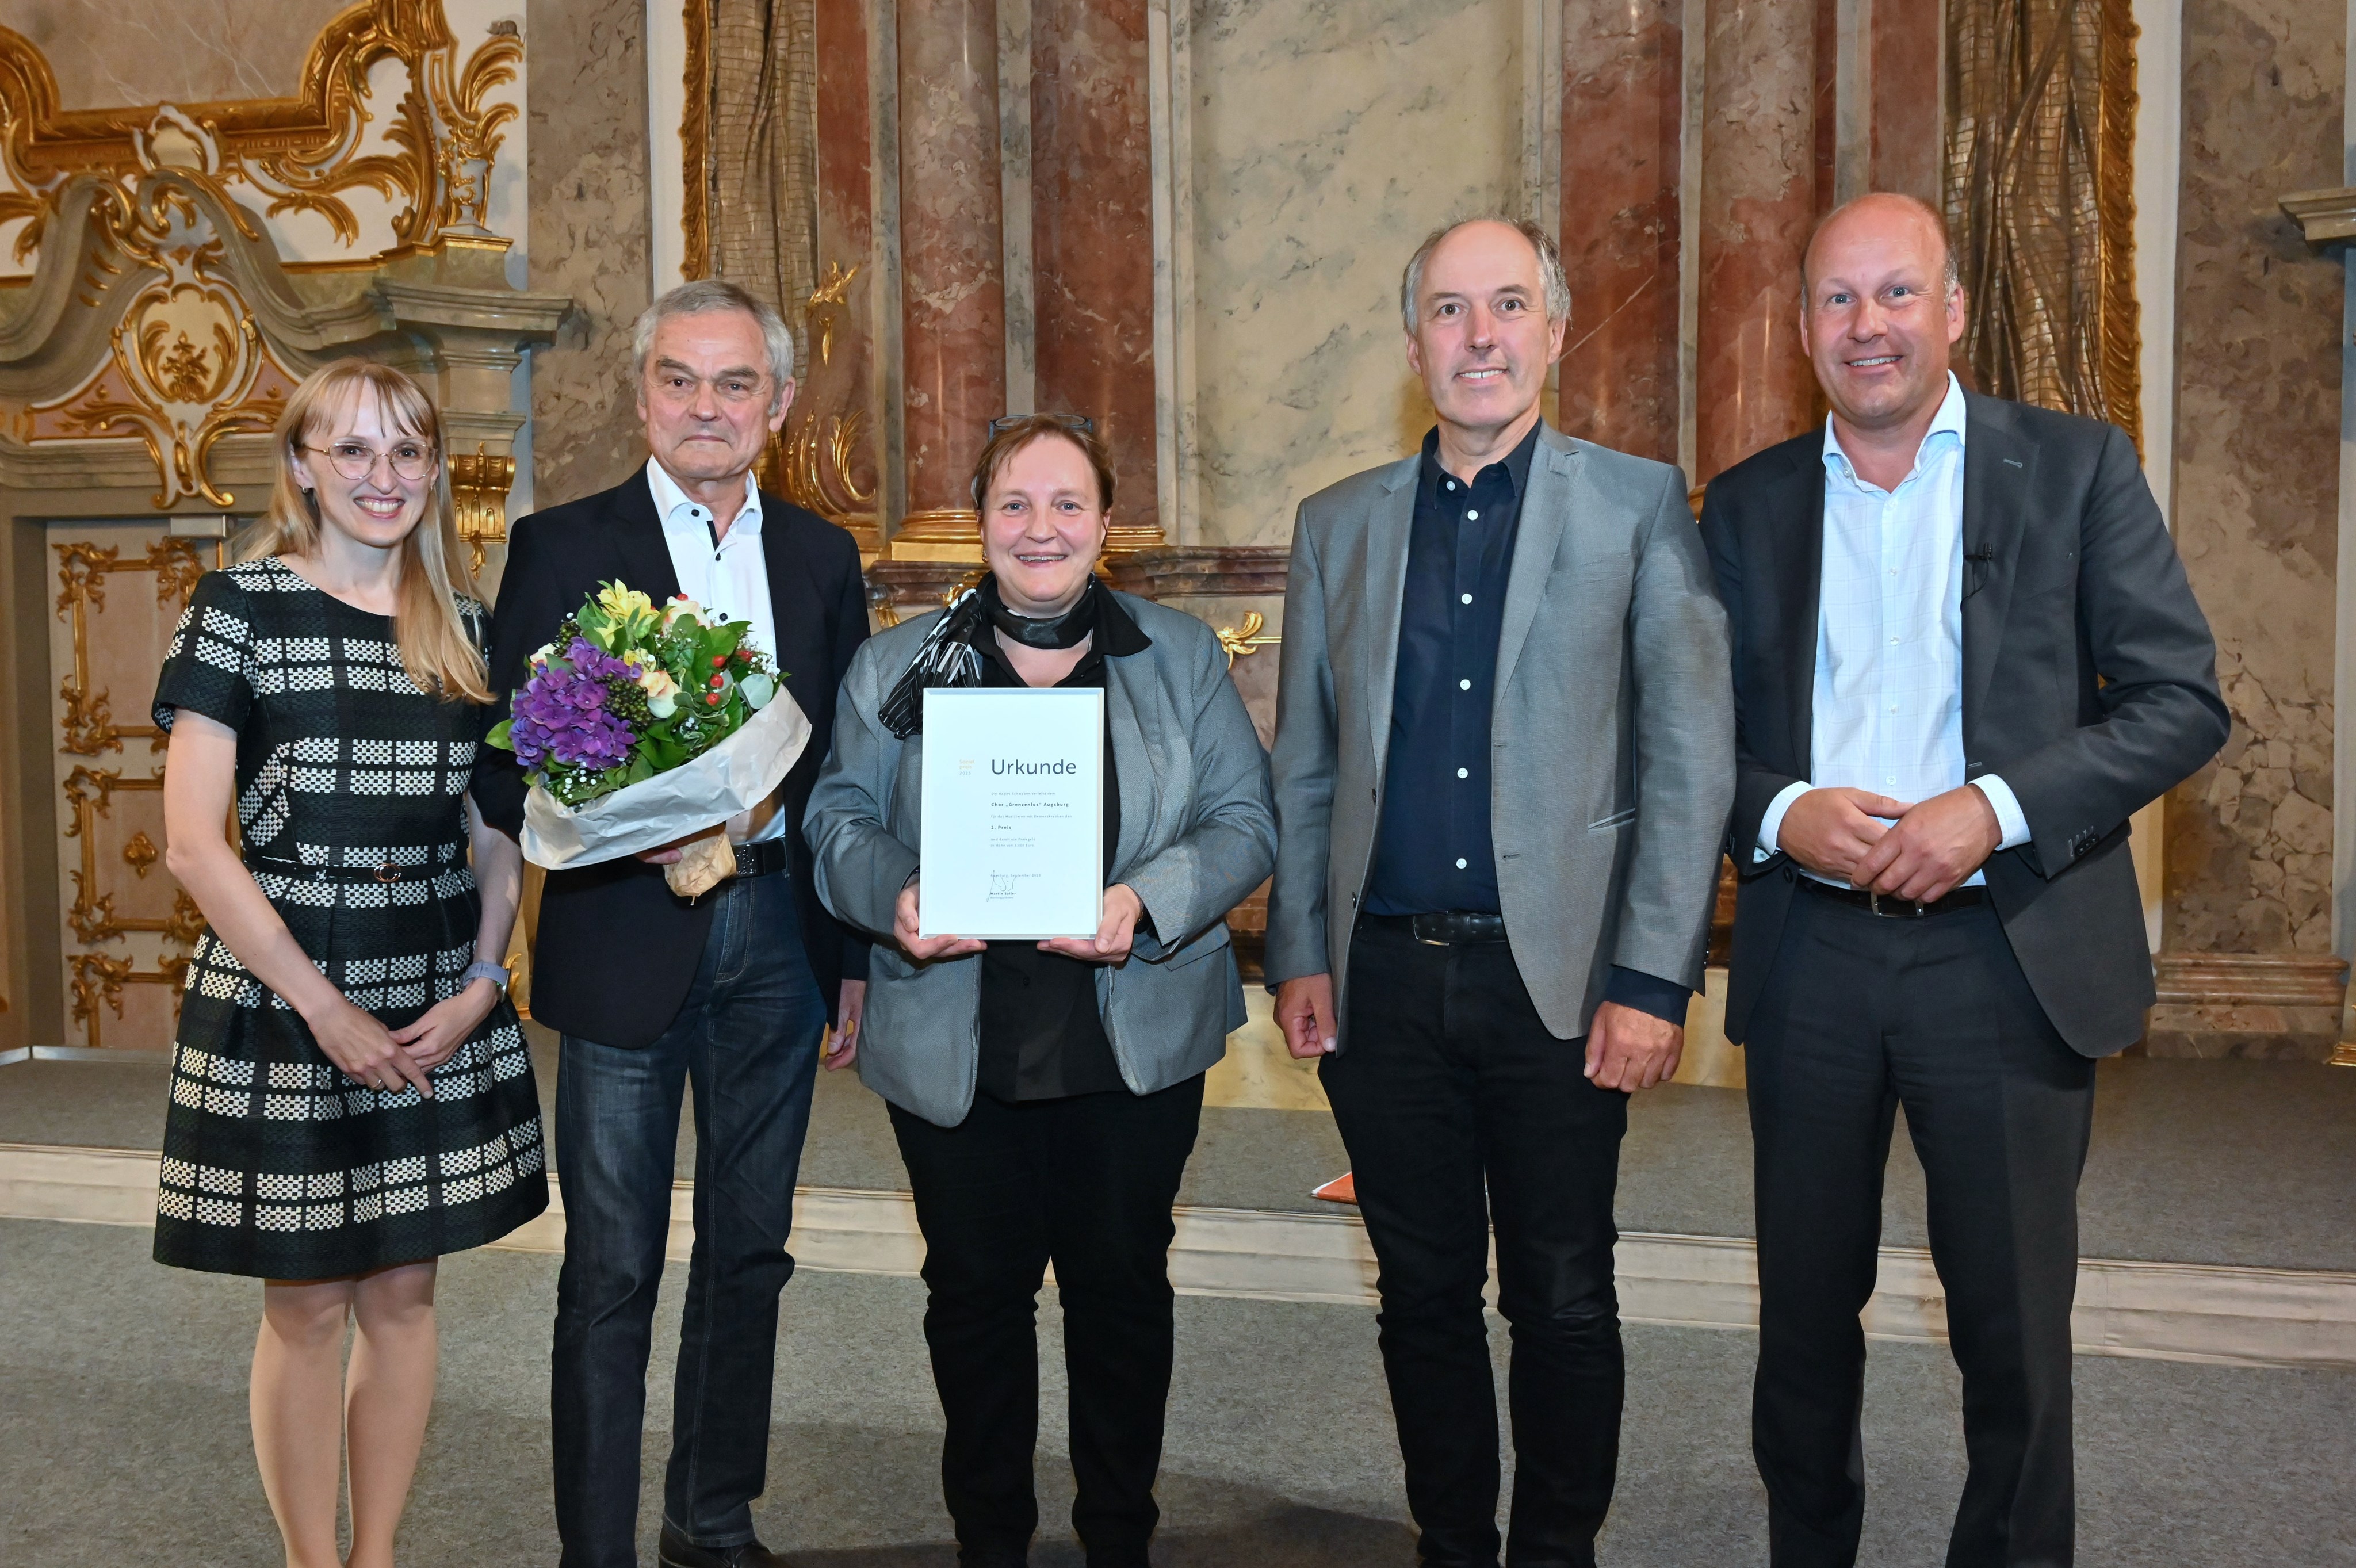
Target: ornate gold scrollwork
pixel 480 482
pixel 141 854
pixel 300 153
pixel 98 978
pixel 185 348
pixel 810 461
pixel 1243 640
pixel 88 725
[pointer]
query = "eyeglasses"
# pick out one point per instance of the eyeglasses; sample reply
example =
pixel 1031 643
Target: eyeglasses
pixel 410 460
pixel 1006 422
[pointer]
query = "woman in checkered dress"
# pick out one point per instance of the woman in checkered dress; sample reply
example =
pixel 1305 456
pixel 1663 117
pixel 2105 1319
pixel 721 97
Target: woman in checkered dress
pixel 351 1094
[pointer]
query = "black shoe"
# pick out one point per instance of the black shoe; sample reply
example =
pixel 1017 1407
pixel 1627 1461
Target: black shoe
pixel 675 1551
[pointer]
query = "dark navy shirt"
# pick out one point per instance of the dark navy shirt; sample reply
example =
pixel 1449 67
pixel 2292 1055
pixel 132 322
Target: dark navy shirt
pixel 1433 850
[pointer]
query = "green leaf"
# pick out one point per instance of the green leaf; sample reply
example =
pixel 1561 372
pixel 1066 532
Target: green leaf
pixel 502 735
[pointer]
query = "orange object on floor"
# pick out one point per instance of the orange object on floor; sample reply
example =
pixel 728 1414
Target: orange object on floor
pixel 1341 1189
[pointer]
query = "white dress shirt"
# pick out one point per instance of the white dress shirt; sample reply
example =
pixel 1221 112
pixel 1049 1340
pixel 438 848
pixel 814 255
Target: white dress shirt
pixel 1889 696
pixel 731 579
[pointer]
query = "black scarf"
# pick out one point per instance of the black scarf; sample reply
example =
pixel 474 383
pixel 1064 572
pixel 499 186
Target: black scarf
pixel 950 654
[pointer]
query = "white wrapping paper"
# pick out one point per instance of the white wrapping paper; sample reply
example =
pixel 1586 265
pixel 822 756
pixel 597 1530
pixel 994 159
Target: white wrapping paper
pixel 733 776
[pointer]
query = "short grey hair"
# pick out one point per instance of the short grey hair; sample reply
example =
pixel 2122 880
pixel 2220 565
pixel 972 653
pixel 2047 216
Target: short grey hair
pixel 1557 286
pixel 705 295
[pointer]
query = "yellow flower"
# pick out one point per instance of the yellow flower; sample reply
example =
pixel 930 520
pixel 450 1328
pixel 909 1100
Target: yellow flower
pixel 623 604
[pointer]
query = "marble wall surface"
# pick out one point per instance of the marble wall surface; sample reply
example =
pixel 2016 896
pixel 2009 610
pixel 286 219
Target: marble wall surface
pixel 590 237
pixel 1328 137
pixel 2256 473
pixel 107 53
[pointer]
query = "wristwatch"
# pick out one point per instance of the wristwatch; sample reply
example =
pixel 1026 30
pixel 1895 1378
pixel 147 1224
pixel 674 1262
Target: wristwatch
pixel 483 969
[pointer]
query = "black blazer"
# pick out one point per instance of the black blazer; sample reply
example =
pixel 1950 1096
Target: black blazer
pixel 616 948
pixel 2090 684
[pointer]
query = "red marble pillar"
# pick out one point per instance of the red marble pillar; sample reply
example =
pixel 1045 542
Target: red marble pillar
pixel 1757 203
pixel 1907 143
pixel 1623 119
pixel 952 253
pixel 1092 234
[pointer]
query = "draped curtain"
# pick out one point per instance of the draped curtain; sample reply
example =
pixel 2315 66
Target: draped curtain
pixel 760 167
pixel 2041 135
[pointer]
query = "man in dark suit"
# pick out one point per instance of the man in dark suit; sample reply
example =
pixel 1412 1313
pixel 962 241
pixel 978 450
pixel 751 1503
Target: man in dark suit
pixel 1965 652
pixel 649 989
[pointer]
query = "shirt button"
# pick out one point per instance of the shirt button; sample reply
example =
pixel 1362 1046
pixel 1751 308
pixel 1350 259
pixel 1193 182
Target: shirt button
pixel 1466 597
pixel 1472 516
pixel 1464 773
pixel 1459 866
pixel 1451 484
pixel 1463 685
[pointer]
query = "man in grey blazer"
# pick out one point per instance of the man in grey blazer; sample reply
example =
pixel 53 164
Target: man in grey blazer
pixel 1504 761
pixel 1964 653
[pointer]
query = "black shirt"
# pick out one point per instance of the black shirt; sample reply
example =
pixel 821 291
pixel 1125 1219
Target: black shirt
pixel 1042 1035
pixel 1433 848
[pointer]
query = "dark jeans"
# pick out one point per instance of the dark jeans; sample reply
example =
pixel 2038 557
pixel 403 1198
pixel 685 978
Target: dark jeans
pixel 748 1034
pixel 1086 1182
pixel 1863 1013
pixel 1460 1110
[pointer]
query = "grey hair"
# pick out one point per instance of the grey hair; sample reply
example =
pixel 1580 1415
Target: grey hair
pixel 1952 271
pixel 705 295
pixel 1557 286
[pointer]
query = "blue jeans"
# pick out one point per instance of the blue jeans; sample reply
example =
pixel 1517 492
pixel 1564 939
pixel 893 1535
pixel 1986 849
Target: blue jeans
pixel 748 1034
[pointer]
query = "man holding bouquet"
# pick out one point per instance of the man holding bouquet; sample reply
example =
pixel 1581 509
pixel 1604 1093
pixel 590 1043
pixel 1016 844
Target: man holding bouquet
pixel 649 988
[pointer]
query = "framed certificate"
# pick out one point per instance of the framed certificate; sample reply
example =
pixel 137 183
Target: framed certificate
pixel 1012 818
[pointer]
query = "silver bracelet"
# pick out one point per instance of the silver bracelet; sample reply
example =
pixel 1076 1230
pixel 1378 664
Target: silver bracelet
pixel 483 969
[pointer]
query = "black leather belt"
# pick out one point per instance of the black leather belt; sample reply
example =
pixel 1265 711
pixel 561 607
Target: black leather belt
pixel 1448 928
pixel 388 872
pixel 1891 908
pixel 764 859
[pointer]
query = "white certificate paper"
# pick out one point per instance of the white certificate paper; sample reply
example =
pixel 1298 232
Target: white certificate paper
pixel 1013 813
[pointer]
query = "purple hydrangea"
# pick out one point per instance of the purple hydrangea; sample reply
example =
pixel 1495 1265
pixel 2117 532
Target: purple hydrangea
pixel 560 713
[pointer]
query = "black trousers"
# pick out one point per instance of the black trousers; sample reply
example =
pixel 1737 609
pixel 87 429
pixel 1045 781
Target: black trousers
pixel 1863 1013
pixel 1460 1111
pixel 1086 1183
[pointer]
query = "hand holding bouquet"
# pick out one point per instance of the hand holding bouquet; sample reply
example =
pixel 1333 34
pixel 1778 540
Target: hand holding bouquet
pixel 639 728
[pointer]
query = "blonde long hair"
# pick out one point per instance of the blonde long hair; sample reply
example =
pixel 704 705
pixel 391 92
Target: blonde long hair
pixel 436 650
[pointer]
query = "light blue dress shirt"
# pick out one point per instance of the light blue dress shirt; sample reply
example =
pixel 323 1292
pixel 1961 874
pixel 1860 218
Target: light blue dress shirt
pixel 1889 703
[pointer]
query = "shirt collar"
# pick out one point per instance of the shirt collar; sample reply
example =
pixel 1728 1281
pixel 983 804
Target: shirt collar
pixel 1952 419
pixel 671 504
pixel 1515 463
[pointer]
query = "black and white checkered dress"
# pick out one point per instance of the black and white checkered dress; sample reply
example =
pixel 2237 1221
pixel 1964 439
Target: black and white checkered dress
pixel 351 802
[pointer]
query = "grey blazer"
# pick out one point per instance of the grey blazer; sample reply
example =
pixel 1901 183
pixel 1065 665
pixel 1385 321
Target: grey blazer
pixel 1197 835
pixel 1613 725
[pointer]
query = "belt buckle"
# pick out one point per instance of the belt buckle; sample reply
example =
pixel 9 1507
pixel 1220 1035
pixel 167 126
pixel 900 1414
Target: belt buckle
pixel 1873 902
pixel 388 872
pixel 748 860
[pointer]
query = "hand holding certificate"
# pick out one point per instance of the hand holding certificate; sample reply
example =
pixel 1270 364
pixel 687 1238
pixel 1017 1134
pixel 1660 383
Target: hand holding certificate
pixel 1013 823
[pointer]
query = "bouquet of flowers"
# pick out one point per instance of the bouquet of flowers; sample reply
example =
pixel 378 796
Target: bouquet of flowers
pixel 639 728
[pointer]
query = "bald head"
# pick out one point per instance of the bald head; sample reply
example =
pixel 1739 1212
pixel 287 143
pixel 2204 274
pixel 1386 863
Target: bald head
pixel 1881 311
pixel 1882 214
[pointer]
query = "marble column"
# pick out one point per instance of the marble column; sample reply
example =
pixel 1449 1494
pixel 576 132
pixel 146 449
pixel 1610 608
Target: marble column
pixel 1092 236
pixel 1758 202
pixel 952 258
pixel 1623 119
pixel 1906 140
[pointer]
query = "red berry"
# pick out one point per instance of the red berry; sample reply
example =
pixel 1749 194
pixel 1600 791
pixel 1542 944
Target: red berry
pixel 712 699
pixel 719 660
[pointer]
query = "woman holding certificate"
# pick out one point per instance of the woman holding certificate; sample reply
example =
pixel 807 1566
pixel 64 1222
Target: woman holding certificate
pixel 1094 801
